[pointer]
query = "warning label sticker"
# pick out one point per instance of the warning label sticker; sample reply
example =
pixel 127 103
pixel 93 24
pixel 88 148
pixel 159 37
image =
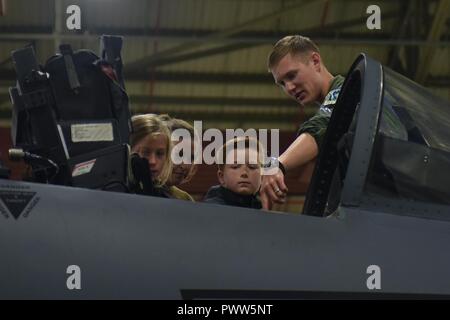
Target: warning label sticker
pixel 83 168
pixel 17 201
pixel 92 132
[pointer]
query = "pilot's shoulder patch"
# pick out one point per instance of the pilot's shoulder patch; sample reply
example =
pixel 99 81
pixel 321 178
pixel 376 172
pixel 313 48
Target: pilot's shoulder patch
pixel 331 97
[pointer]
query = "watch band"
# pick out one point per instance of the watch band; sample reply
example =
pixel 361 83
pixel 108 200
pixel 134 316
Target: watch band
pixel 282 168
pixel 274 162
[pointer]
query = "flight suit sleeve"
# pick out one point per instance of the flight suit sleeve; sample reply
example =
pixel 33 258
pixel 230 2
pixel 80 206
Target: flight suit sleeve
pixel 316 126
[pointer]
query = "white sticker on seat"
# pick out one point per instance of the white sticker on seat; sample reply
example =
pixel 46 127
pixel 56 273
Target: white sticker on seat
pixel 92 132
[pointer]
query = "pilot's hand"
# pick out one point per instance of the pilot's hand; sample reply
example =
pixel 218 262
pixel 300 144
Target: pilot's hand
pixel 273 190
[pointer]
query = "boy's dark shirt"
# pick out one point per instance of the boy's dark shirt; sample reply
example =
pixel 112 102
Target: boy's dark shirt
pixel 221 195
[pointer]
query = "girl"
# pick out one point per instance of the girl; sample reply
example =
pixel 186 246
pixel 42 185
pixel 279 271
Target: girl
pixel 181 173
pixel 151 140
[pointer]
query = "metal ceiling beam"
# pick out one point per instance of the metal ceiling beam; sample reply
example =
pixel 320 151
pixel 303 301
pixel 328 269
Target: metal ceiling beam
pixel 205 101
pixel 402 28
pixel 8 78
pixel 205 116
pixel 2 8
pixel 189 45
pixel 223 117
pixel 326 37
pixel 412 53
pixel 436 29
pixel 195 35
pixel 163 58
pixel 203 77
pixel 9 75
pixel 314 32
pixel 438 82
pixel 198 54
pixel 153 60
pixel 214 101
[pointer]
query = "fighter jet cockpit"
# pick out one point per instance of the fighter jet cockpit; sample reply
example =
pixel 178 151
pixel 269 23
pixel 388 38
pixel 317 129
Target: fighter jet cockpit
pixel 411 158
pixel 387 147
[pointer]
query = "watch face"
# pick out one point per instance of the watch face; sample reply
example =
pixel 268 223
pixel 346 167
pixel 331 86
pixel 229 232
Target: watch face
pixel 271 166
pixel 268 162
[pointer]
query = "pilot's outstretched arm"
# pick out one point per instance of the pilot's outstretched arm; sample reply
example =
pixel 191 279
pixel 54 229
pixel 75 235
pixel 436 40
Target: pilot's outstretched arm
pixel 301 151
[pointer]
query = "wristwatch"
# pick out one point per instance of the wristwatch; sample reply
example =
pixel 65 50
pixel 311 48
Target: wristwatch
pixel 273 162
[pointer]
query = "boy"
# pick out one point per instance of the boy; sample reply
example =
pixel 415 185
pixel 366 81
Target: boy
pixel 239 173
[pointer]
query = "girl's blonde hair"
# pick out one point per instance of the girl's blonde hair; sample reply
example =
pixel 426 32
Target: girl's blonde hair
pixel 174 124
pixel 150 125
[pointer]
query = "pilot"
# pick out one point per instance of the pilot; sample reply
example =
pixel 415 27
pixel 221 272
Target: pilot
pixel 297 67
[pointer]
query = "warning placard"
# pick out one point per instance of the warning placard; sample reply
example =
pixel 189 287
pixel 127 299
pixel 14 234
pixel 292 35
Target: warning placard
pixel 83 168
pixel 92 132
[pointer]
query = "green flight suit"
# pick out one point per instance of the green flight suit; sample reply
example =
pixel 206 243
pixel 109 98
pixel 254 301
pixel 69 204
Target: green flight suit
pixel 317 124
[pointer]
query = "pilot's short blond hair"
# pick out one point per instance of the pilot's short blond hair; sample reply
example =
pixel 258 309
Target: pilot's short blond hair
pixel 294 45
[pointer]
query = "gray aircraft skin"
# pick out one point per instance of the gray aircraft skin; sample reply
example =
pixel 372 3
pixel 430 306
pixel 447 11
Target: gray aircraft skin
pixel 376 222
